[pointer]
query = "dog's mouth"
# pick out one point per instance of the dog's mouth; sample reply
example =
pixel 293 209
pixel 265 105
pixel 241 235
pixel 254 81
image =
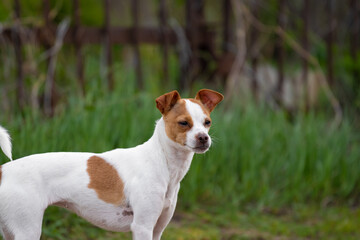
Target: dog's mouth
pixel 201 148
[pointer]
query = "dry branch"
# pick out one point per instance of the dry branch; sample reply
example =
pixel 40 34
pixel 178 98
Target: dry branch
pixel 241 11
pixel 52 54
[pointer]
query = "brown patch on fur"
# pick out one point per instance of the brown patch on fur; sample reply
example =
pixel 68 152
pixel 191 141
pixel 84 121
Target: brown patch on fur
pixel 167 101
pixel 209 98
pixel 105 180
pixel 174 130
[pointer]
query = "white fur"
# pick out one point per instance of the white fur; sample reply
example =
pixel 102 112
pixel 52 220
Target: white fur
pixel 198 118
pixel 151 173
pixel 5 142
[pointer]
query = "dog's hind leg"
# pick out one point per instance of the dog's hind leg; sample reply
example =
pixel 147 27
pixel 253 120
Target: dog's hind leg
pixel 7 234
pixel 26 228
pixel 20 216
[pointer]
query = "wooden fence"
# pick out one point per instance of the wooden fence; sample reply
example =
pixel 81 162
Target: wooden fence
pixel 200 36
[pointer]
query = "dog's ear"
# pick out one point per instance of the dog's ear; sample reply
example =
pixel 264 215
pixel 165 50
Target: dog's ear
pixel 209 98
pixel 167 101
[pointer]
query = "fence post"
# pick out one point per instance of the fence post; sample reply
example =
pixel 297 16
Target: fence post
pixel 305 46
pixel 49 82
pixel 20 90
pixel 186 66
pixel 77 44
pixel 135 40
pixel 164 29
pixel 194 16
pixel 226 34
pixel 254 34
pixel 280 51
pixel 330 41
pixel 107 42
pixel 354 38
pixel 226 25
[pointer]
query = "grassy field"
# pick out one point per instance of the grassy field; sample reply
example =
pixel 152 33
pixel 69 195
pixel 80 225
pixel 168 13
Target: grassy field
pixel 258 156
pixel 213 224
pixel 267 176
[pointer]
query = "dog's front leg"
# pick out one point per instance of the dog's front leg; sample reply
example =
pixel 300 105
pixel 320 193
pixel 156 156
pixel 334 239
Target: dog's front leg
pixel 146 213
pixel 166 215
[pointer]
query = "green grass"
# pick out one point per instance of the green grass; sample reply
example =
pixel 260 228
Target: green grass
pixel 258 156
pixel 309 222
pixel 263 158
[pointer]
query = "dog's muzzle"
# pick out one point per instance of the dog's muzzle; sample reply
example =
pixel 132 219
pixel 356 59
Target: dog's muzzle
pixel 202 143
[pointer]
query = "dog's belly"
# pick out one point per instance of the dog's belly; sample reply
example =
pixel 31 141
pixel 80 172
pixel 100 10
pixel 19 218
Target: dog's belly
pixel 106 216
pixel 118 221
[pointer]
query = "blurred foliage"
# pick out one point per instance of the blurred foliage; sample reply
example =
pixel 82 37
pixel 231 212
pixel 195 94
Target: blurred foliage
pixel 263 161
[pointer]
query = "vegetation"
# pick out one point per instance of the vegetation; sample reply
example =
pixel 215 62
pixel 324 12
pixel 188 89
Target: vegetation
pixel 296 223
pixel 268 175
pixel 259 157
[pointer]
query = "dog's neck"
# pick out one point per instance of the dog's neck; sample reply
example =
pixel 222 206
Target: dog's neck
pixel 177 157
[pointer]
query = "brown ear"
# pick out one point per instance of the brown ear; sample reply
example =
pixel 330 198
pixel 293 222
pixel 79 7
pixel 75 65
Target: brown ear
pixel 209 98
pixel 165 102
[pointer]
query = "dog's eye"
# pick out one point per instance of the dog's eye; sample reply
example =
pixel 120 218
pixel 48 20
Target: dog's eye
pixel 183 123
pixel 207 122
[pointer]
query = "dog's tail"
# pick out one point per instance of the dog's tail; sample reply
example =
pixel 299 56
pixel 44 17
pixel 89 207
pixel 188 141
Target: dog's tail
pixel 5 142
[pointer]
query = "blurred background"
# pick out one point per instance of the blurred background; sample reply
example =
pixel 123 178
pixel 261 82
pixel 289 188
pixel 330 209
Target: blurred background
pixel 82 75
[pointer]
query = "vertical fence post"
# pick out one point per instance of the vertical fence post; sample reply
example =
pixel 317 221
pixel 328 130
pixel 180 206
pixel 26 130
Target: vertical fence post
pixel 49 82
pixel 254 54
pixel 20 90
pixel 164 29
pixel 280 51
pixel 226 25
pixel 107 42
pixel 77 44
pixel 226 34
pixel 135 40
pixel 305 46
pixel 46 10
pixel 354 38
pixel 186 63
pixel 194 16
pixel 330 41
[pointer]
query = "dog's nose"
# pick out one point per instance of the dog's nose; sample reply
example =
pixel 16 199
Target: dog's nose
pixel 203 138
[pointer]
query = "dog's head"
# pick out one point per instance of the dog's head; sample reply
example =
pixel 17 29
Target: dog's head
pixel 187 121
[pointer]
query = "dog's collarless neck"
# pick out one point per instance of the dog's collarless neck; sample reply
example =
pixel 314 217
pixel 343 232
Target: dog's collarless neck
pixel 178 159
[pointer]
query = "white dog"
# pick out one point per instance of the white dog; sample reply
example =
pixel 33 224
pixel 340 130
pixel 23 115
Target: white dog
pixel 120 190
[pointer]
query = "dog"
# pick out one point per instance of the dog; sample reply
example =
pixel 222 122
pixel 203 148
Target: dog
pixel 133 189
